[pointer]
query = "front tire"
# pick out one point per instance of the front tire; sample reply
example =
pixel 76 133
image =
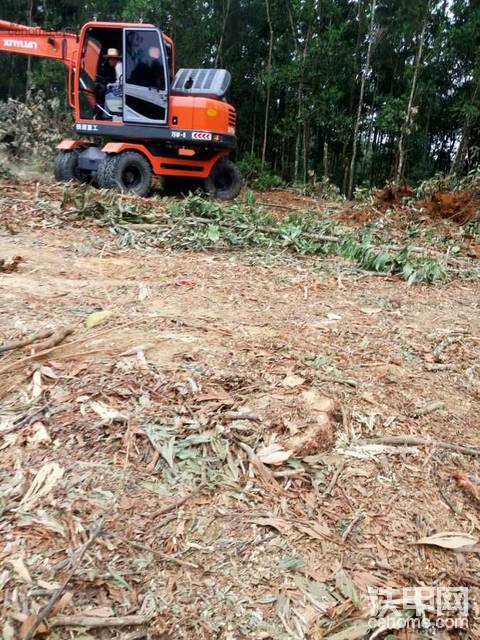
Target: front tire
pixel 65 167
pixel 127 172
pixel 224 181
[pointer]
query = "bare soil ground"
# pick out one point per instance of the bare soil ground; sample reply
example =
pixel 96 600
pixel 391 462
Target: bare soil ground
pixel 222 426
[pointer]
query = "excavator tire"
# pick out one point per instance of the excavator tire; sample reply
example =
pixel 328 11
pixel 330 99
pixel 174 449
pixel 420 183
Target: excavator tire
pixel 128 172
pixel 224 181
pixel 65 166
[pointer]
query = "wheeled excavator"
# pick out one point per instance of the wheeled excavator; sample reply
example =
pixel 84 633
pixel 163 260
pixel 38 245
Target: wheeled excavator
pixel 146 119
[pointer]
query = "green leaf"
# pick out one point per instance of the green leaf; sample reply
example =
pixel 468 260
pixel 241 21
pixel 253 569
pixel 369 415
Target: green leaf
pixel 97 317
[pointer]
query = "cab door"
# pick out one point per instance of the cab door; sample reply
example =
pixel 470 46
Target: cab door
pixel 145 81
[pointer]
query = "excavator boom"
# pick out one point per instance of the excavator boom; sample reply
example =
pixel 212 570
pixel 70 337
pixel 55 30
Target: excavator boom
pixel 32 41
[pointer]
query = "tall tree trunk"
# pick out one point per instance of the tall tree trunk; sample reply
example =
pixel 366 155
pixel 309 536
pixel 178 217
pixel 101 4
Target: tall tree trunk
pixel 409 113
pixel 269 81
pixel 28 86
pixel 300 109
pixel 360 99
pixel 458 164
pixel 344 162
pixel 254 126
pixel 222 36
pixel 306 137
pixel 461 155
pixel 325 161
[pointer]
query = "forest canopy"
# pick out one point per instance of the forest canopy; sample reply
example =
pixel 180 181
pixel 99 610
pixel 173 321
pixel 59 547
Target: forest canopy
pixel 359 92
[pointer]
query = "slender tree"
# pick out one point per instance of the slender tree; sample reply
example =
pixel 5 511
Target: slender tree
pixel 365 72
pixel 405 130
pixel 268 80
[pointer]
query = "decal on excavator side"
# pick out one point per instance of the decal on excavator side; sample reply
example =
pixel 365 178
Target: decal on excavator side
pixel 86 127
pixel 201 135
pixel 21 44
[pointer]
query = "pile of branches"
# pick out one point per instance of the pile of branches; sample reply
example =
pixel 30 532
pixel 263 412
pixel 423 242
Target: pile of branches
pixel 197 223
pixel 32 130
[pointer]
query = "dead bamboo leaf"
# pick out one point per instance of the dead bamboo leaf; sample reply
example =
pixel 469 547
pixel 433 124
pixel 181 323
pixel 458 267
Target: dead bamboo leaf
pixel 358 629
pixel 27 624
pixel 283 526
pixel 449 540
pixel 107 414
pixel 45 480
pixel 292 380
pixel 39 434
pixel 275 454
pixel 20 569
pixel 346 586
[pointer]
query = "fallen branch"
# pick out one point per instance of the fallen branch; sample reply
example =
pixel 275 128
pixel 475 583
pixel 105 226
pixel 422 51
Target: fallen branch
pixel 431 407
pixel 414 441
pixel 85 338
pixel 92 622
pixel 56 595
pixel 242 415
pixel 55 338
pixel 18 344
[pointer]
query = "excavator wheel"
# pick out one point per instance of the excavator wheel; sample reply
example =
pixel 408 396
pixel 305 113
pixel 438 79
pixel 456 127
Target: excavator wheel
pixel 128 172
pixel 65 167
pixel 224 181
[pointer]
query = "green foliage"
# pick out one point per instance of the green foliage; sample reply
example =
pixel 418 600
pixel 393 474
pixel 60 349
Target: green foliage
pixel 258 176
pixel 6 173
pixel 450 182
pixel 202 224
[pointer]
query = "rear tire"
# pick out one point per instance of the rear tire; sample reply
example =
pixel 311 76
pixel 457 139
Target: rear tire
pixel 65 167
pixel 127 172
pixel 224 181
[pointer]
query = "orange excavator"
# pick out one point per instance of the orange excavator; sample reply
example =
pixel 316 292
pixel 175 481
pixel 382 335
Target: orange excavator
pixel 124 88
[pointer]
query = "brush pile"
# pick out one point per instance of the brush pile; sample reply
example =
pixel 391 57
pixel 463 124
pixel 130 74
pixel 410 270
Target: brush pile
pixel 32 130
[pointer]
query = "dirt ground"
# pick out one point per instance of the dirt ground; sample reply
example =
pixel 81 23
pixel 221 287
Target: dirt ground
pixel 211 459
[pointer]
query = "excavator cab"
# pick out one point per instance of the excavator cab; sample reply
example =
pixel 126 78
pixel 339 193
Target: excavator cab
pixel 141 94
pixel 158 122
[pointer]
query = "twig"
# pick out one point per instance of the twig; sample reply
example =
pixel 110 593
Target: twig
pixel 26 420
pixel 171 507
pixel 92 622
pixel 18 344
pixel 356 518
pixel 334 479
pixel 350 382
pixel 56 595
pixel 85 338
pixel 414 441
pixel 57 337
pixel 441 491
pixel 159 554
pixel 439 366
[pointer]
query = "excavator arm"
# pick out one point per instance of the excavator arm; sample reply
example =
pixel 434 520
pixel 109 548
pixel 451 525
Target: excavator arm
pixel 33 41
